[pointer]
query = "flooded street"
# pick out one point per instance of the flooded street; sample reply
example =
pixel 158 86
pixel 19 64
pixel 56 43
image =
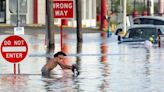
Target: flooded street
pixel 105 66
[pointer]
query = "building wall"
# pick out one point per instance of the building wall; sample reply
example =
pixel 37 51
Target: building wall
pixel 30 12
pixel 88 13
pixel 41 11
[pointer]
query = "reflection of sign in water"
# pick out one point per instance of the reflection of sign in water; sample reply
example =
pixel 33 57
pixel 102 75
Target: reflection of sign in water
pixel 14 49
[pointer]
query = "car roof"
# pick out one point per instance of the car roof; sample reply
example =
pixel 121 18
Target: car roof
pixel 151 17
pixel 143 26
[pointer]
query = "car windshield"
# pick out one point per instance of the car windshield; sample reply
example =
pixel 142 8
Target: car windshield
pixel 141 33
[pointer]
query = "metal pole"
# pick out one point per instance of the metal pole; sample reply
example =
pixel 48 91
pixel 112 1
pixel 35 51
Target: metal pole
pixel 14 68
pixel 18 20
pixel 49 25
pixel 79 21
pixel 61 37
pixel 18 25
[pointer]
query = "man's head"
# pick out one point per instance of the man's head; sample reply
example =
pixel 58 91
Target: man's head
pixel 59 53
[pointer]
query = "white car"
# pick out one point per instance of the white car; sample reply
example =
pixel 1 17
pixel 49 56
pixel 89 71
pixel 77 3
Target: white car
pixel 146 20
pixel 141 33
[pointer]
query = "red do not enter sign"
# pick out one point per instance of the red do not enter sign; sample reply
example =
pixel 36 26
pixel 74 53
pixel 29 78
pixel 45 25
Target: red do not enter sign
pixel 14 49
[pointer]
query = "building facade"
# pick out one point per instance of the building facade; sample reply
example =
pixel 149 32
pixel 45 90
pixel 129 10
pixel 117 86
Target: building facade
pixel 33 12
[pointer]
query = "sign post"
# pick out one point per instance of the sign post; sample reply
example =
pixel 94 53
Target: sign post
pixel 63 9
pixel 14 49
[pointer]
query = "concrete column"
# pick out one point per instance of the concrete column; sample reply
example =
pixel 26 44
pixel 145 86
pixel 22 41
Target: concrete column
pixel 8 14
pixel 124 17
pixel 150 7
pixel 161 7
pixel 35 11
pixel 41 11
pixel 104 11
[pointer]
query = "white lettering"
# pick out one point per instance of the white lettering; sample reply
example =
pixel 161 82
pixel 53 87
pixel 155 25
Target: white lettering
pixel 56 5
pixel 61 13
pixel 19 42
pixel 63 5
pixel 13 55
pixel 7 42
pixel 65 13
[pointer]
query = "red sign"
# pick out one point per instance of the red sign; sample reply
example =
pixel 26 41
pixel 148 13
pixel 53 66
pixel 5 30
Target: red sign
pixel 14 49
pixel 63 9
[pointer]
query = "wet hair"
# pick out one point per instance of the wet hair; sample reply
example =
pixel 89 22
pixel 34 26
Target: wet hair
pixel 59 53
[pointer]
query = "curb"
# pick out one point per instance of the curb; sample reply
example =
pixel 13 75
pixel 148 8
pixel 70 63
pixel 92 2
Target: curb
pixel 42 26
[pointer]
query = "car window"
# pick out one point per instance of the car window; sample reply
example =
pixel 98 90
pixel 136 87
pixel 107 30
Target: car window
pixel 143 33
pixel 149 32
pixel 137 21
pixel 148 21
pixel 135 33
pixel 158 22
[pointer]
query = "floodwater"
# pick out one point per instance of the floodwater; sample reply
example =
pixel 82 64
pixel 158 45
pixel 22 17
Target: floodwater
pixel 105 66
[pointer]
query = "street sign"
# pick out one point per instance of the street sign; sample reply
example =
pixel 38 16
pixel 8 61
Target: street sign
pixel 63 8
pixel 14 49
pixel 18 30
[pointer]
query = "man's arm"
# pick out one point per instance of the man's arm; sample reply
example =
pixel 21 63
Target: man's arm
pixel 64 66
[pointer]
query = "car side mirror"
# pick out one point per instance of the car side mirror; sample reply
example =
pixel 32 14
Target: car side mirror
pixel 119 38
pixel 118 31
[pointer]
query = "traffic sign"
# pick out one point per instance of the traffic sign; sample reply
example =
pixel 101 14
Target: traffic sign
pixel 63 8
pixel 14 49
pixel 18 30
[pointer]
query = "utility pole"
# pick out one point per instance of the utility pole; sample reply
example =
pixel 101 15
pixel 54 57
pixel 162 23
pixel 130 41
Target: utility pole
pixel 104 14
pixel 18 19
pixel 49 25
pixel 79 21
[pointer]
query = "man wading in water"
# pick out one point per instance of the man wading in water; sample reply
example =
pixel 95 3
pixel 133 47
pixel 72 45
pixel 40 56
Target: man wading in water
pixel 58 60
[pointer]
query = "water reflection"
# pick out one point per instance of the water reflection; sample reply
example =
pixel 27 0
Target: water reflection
pixel 60 84
pixel 14 83
pixel 104 47
pixel 104 87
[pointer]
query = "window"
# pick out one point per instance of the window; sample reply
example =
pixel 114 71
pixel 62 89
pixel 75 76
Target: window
pixel 143 33
pixel 22 11
pixel 2 11
pixel 137 21
pixel 148 21
pixel 22 6
pixel 158 22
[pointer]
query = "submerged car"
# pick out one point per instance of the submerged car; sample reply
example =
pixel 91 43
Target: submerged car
pixel 141 33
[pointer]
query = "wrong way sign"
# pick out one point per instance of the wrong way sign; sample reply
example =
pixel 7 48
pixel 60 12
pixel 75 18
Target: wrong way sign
pixel 63 8
pixel 14 49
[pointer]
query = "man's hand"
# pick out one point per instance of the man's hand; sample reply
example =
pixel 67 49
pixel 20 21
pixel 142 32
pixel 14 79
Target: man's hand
pixel 75 69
